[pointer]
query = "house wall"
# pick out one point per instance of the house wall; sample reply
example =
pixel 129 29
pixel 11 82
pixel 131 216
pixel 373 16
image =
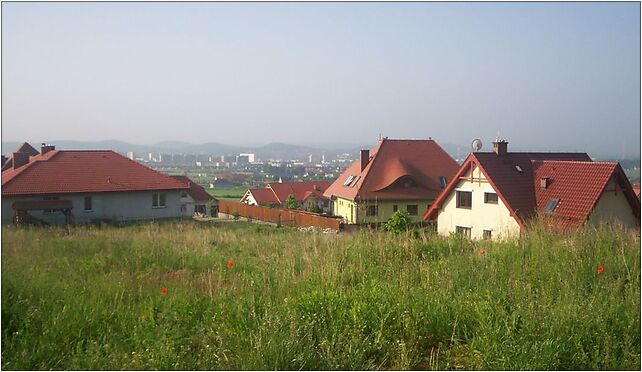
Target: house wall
pixel 248 198
pixel 355 213
pixel 119 206
pixel 481 216
pixel 613 207
pixel 346 209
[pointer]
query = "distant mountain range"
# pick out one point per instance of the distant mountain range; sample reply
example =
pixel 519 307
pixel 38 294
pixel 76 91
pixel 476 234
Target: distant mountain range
pixel 275 150
pixel 271 150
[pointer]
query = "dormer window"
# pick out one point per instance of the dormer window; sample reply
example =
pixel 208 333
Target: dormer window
pixel 409 183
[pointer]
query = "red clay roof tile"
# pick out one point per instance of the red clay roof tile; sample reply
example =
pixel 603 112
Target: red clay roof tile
pixel 59 172
pixel 196 191
pixel 298 189
pixel 392 163
pixel 264 196
pixel 574 179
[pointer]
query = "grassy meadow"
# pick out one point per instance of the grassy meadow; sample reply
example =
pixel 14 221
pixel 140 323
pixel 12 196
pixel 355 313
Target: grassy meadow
pixel 93 298
pixel 229 193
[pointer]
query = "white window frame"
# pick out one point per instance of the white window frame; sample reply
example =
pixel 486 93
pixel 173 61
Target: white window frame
pixel 469 227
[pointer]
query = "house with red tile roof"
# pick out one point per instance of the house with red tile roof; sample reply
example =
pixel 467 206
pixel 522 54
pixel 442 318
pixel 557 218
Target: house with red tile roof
pixel 196 200
pixel 396 174
pixel 498 194
pixel 56 186
pixel 277 193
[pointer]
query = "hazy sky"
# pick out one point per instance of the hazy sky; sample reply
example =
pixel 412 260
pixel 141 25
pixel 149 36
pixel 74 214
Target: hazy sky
pixel 540 74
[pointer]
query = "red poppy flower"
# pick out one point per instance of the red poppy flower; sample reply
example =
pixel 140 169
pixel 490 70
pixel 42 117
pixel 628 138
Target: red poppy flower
pixel 230 264
pixel 164 291
pixel 482 251
pixel 600 269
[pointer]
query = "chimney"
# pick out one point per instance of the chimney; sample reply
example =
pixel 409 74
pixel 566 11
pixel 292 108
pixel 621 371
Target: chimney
pixel 20 159
pixel 500 147
pixel 44 148
pixel 544 182
pixel 365 157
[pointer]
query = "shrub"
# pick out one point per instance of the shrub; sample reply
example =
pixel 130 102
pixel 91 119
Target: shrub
pixel 398 223
pixel 312 207
pixel 236 215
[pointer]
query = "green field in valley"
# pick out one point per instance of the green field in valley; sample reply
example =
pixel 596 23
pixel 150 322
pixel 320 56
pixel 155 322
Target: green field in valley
pixel 232 193
pixel 189 295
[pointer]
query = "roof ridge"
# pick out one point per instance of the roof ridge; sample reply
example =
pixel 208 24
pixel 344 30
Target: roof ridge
pixel 532 152
pixel 575 161
pixel 269 186
pixel 407 139
pixel 92 150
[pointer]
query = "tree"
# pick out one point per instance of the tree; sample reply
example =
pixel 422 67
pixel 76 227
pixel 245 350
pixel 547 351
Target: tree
pixel 398 223
pixel 291 202
pixel 314 208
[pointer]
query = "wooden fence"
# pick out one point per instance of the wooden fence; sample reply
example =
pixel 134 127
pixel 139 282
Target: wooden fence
pixel 285 217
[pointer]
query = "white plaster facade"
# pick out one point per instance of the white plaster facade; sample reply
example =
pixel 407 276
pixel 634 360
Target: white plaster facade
pixel 481 216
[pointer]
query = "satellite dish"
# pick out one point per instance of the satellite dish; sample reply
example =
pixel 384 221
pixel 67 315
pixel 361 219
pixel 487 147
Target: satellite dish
pixel 476 144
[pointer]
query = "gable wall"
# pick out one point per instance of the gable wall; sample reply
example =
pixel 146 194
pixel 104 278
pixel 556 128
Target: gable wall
pixel 613 207
pixel 495 217
pixel 248 198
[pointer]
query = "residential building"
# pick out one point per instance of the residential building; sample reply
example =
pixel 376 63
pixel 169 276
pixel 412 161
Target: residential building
pixel 25 148
pixel 277 193
pixel 251 157
pixel 498 194
pixel 57 186
pixel 395 175
pixel 196 200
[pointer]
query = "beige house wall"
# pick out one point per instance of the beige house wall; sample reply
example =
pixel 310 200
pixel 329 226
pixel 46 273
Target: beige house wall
pixel 481 216
pixel 613 207
pixel 355 213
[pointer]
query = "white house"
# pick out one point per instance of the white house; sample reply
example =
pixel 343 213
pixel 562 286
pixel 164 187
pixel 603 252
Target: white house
pixel 496 195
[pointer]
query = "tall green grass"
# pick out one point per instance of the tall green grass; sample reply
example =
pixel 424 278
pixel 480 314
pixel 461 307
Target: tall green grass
pixel 90 298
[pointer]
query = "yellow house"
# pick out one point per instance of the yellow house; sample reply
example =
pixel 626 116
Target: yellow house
pixel 396 175
pixel 495 195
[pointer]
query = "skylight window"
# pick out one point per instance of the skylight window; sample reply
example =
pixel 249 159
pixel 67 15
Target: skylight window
pixel 347 182
pixel 442 181
pixel 354 183
pixel 519 169
pixel 551 205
